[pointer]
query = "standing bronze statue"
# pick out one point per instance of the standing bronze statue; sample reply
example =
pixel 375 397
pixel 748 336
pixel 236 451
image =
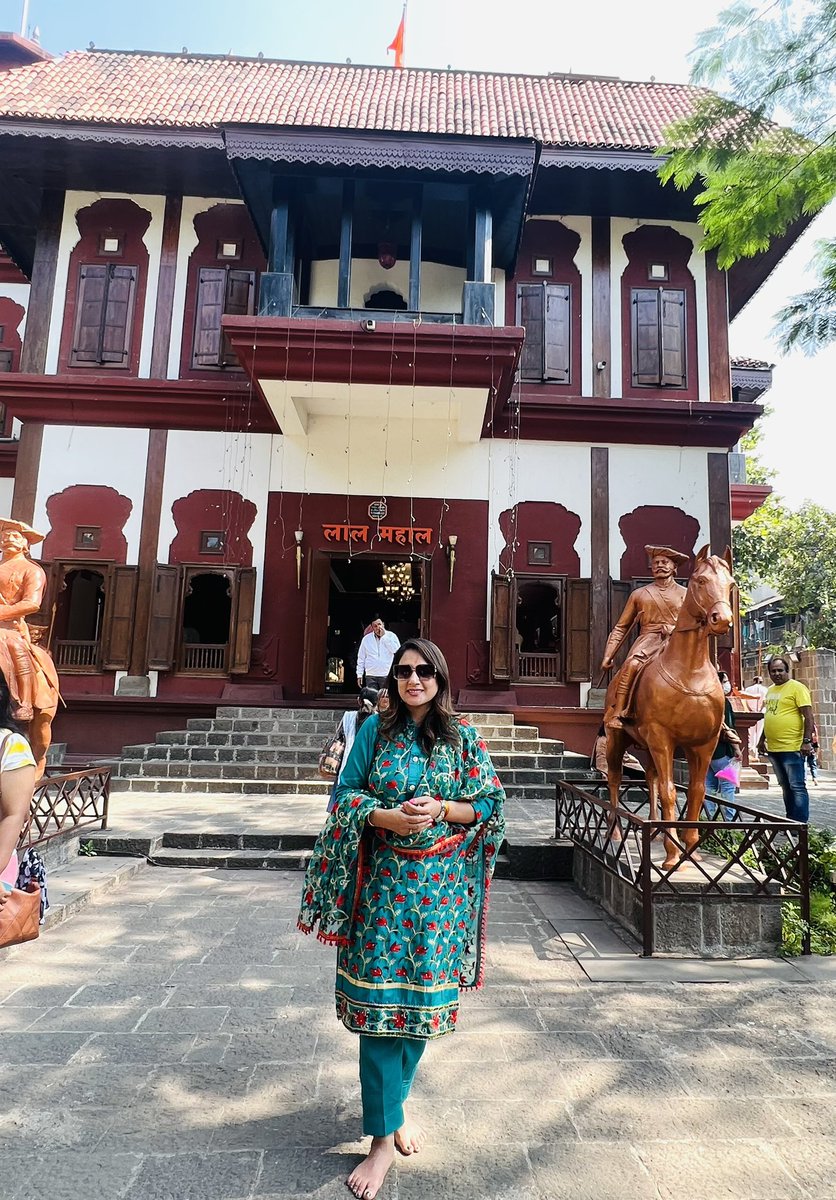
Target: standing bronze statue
pixel 28 667
pixel 668 694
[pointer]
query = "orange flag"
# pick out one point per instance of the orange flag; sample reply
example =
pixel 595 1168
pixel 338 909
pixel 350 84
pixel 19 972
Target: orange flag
pixel 397 42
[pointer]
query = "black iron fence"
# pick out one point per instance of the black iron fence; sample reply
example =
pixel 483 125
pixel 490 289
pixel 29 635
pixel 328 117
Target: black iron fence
pixel 752 855
pixel 66 802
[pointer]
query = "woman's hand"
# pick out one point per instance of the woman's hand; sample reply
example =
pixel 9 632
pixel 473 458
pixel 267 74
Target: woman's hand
pixel 427 805
pixel 401 821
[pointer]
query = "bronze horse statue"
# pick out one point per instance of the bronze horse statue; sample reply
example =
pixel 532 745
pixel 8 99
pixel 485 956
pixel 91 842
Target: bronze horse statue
pixel 678 701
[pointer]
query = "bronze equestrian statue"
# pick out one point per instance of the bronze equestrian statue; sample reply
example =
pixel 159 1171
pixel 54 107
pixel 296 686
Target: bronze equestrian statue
pixel 668 694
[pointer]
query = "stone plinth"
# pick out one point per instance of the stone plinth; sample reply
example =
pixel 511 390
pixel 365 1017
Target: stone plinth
pixel 694 921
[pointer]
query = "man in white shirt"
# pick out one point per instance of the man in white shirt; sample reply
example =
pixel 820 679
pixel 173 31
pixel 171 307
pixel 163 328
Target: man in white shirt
pixel 758 690
pixel 374 658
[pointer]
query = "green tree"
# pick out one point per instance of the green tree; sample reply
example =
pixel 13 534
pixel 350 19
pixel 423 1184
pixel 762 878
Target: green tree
pixel 770 62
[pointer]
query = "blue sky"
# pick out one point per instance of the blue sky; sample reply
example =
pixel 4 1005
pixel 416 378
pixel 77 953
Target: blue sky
pixel 648 38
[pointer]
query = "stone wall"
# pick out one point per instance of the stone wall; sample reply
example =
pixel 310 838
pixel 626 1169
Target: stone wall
pixel 816 669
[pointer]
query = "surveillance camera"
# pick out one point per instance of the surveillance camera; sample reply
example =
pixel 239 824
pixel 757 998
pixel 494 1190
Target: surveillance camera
pixel 602 365
pixel 368 325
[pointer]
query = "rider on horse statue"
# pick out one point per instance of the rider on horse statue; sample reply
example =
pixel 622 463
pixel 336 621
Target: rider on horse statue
pixel 656 607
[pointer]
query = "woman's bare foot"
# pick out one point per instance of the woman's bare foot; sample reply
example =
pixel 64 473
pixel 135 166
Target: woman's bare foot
pixel 366 1180
pixel 410 1138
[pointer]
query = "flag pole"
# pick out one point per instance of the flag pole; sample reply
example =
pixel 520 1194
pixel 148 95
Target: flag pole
pixel 24 20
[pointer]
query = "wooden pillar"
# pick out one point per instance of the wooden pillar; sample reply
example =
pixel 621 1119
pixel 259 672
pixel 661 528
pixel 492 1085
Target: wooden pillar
pixel 719 364
pixel 346 222
pixel 416 231
pixel 39 308
pixel 148 538
pixel 482 244
pixel 601 313
pixel 27 471
pixel 600 534
pixel 165 287
pixel 719 503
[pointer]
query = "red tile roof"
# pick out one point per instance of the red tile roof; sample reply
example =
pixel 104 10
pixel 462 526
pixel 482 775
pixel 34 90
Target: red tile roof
pixel 740 363
pixel 202 92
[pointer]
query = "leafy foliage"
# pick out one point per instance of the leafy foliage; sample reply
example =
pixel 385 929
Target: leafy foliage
pixel 779 63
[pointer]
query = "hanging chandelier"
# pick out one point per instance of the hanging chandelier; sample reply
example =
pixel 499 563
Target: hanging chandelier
pixel 397 582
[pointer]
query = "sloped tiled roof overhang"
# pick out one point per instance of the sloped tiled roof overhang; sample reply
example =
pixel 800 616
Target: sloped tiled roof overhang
pixel 167 91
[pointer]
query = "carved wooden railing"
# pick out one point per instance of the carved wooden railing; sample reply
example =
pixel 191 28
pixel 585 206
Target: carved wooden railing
pixel 65 802
pixel 68 655
pixel 538 666
pixel 766 854
pixel 204 657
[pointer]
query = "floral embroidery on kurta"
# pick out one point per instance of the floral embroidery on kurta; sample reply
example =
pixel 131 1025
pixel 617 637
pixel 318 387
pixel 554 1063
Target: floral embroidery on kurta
pixel 407 913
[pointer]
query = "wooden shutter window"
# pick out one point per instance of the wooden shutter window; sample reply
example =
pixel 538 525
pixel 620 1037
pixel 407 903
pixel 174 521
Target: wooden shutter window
pixel 5 360
pixel 163 621
pixel 242 621
pixel 658 337
pixel 502 627
pixel 104 312
pixel 531 315
pixel 118 623
pixel 558 348
pixel 578 630
pixel 220 290
pixel 620 590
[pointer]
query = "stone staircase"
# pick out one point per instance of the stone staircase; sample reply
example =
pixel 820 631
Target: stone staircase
pixel 270 751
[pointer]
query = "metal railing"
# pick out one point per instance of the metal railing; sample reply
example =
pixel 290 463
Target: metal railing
pixel 204 657
pixel 755 854
pixel 69 655
pixel 64 802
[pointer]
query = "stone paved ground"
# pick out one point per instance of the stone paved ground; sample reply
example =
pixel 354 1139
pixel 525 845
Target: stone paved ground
pixel 175 1041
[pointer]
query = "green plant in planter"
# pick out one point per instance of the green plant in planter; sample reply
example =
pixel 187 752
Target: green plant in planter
pixel 87 849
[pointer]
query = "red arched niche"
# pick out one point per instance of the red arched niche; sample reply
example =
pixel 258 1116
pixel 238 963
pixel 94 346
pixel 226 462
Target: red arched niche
pixel 108 218
pixel 645 245
pixel 208 511
pixel 656 525
pixel 89 506
pixel 219 224
pixel 11 315
pixel 540 521
pixel 558 243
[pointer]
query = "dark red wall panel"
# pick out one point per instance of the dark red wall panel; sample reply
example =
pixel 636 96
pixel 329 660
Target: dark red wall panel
pixel 87 504
pixel 212 510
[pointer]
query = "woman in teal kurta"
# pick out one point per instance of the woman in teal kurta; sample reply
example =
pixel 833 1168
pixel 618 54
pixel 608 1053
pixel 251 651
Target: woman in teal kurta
pixel 398 881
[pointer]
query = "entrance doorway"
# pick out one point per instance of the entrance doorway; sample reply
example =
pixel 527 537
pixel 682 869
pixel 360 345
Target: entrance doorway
pixel 207 612
pixel 344 597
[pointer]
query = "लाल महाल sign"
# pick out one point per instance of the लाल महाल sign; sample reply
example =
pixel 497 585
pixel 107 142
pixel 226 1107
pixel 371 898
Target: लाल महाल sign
pixel 400 535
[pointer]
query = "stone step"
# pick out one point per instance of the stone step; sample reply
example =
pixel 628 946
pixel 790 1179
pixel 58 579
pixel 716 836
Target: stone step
pixel 232 860
pixel 225 713
pixel 238 841
pixel 519 772
pixel 277 748
pixel 292 760
pixel 229 787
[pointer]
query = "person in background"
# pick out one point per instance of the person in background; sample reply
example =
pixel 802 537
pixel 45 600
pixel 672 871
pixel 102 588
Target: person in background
pixel 17 783
pixel 726 752
pixel 813 756
pixel 398 881
pixel 756 689
pixel 598 759
pixel 382 700
pixel 788 736
pixel 375 655
pixel 351 722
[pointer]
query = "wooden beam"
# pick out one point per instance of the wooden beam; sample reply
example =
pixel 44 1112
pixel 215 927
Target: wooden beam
pixel 39 308
pixel 148 538
pixel 600 535
pixel 346 221
pixel 27 471
pixel 164 312
pixel 601 286
pixel 482 244
pixel 416 231
pixel 719 502
pixel 280 231
pixel 719 365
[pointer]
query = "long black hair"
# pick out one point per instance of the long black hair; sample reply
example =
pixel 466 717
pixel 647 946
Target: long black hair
pixel 366 704
pixel 439 724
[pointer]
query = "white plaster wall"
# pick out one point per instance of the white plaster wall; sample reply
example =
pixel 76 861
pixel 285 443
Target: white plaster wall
pixel 73 202
pixel 192 207
pixel 619 227
pixel 7 487
pixel 19 292
pixel 583 261
pixel 237 462
pixel 668 475
pixel 441 286
pixel 109 457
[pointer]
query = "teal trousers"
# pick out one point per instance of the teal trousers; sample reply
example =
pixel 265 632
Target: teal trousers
pixel 387 1069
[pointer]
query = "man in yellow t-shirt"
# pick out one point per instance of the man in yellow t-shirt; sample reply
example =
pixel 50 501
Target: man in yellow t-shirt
pixel 787 735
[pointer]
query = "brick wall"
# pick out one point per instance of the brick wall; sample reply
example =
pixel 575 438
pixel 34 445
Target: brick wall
pixel 817 670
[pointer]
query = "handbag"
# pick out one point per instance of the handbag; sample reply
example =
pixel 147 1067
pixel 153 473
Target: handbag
pixel 20 916
pixel 331 755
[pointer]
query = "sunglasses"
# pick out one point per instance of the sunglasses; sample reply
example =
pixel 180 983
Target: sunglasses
pixel 423 671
